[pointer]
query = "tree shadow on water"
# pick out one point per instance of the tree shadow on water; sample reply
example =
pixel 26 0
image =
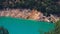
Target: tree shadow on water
pixel 3 30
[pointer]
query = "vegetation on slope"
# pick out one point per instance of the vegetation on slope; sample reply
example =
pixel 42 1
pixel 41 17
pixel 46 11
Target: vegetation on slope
pixel 56 30
pixel 46 6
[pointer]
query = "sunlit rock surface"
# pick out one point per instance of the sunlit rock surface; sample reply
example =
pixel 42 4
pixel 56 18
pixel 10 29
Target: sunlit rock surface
pixel 28 14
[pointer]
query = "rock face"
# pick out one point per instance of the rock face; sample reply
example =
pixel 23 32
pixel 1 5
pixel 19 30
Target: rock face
pixel 54 18
pixel 35 15
pixel 28 14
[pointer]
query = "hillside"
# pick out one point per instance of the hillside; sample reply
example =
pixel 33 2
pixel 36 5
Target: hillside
pixel 45 6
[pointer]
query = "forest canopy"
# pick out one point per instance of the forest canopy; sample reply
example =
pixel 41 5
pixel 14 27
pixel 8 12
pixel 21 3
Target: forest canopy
pixel 46 6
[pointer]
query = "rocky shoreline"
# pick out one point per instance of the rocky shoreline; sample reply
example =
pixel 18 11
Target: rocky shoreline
pixel 28 14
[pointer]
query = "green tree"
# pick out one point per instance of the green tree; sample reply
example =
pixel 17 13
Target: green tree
pixel 56 30
pixel 45 6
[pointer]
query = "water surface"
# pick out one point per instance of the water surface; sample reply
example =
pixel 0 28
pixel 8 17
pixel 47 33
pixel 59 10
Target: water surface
pixel 24 26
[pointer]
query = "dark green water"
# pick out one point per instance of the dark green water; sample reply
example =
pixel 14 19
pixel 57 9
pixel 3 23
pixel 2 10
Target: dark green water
pixel 23 26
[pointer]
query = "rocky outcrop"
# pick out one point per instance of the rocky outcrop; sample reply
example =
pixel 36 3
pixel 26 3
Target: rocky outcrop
pixel 28 14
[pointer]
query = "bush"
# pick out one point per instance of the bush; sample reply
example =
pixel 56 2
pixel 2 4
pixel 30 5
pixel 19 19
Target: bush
pixel 56 30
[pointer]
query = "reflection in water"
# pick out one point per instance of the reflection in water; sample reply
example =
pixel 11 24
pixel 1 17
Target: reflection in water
pixel 3 30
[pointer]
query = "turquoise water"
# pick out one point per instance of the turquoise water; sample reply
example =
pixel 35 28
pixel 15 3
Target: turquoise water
pixel 24 26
